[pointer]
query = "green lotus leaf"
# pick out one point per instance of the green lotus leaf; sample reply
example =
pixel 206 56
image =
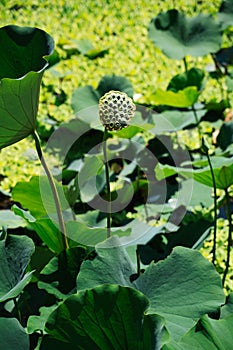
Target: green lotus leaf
pixel 166 284
pixel 178 36
pixel 193 77
pixel 182 98
pixel 106 317
pixel 207 334
pixel 15 253
pixel 13 335
pixel 222 168
pixel 87 96
pixel 22 63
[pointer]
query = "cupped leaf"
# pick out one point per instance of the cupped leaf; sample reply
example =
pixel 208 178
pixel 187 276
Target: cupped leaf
pixel 178 36
pixel 22 64
pixel 193 77
pixel 115 82
pixel 13 336
pixel 87 96
pixel 105 317
pixel 15 253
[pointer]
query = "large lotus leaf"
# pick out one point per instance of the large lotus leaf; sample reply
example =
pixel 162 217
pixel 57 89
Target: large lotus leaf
pixel 113 266
pixel 208 334
pixel 225 14
pixel 15 253
pixel 22 64
pixel 182 288
pixel 13 336
pixel 182 98
pixel 87 96
pixel 166 284
pixel 178 36
pixel 170 121
pixel 222 168
pixel 106 317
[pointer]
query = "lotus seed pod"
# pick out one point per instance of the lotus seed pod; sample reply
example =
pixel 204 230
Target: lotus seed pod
pixel 116 109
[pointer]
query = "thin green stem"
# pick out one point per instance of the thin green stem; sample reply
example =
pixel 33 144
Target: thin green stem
pixel 215 208
pixel 107 183
pixel 185 64
pixel 197 123
pixel 229 242
pixel 17 310
pixel 138 262
pixel 54 190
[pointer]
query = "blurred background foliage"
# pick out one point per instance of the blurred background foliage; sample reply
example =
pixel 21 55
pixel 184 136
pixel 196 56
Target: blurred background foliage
pixel 120 28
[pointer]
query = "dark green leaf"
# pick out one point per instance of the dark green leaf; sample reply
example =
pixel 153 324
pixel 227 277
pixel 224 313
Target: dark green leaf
pixel 115 82
pixel 193 77
pixel 15 253
pixel 208 334
pixel 224 57
pixel 87 96
pixel 103 318
pixel 59 276
pixel 225 136
pixel 225 14
pixel 178 36
pixel 166 284
pixel 13 336
pixel 227 309
pixel 22 65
